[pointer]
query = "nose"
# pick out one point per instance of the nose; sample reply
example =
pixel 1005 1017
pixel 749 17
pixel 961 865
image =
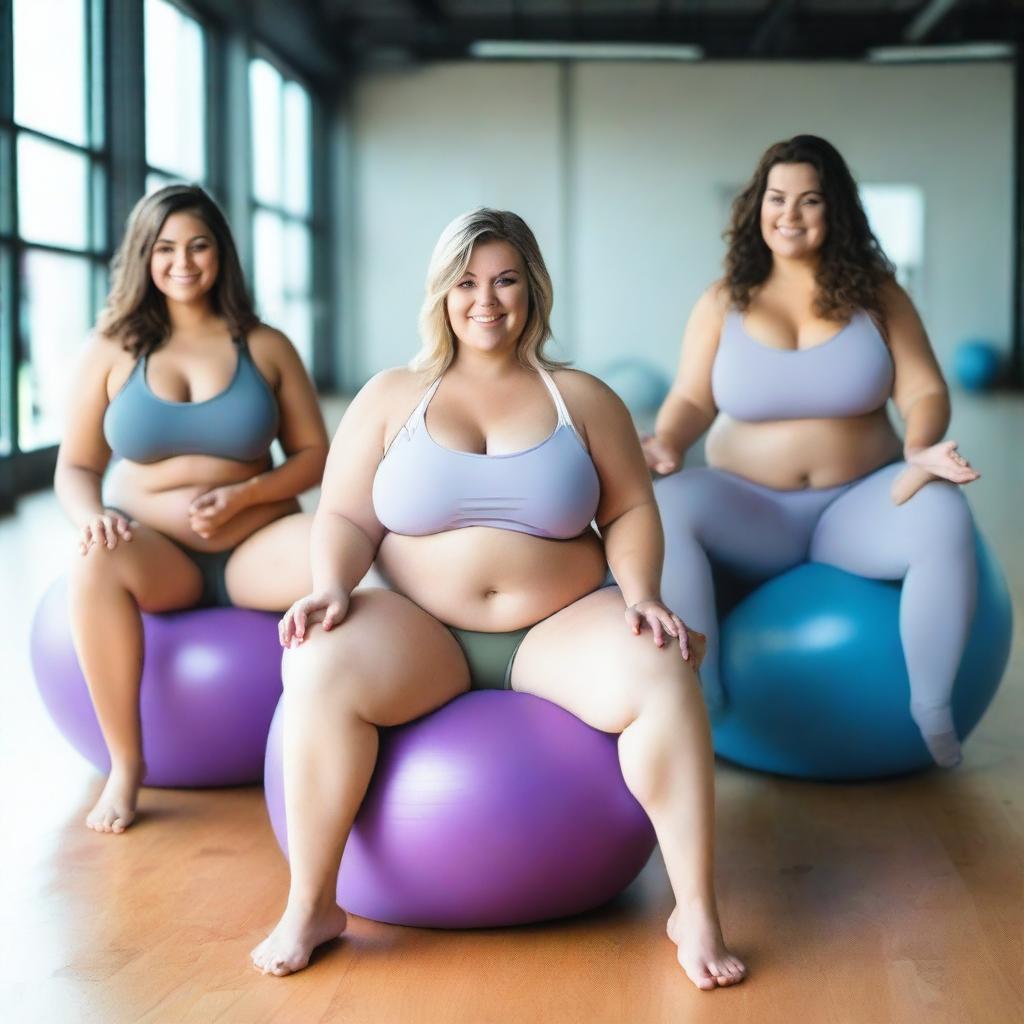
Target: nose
pixel 486 296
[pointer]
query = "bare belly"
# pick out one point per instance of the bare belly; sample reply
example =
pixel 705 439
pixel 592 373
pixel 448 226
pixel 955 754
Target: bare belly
pixel 791 455
pixel 491 580
pixel 159 496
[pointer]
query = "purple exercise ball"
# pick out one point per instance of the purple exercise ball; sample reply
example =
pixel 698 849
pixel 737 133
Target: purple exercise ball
pixel 499 808
pixel 210 682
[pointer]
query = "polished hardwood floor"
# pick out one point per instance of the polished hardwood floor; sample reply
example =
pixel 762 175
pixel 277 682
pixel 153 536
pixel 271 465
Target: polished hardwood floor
pixel 884 903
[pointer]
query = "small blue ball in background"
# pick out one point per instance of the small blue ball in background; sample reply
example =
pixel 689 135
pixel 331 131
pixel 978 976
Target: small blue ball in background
pixel 640 384
pixel 816 679
pixel 977 364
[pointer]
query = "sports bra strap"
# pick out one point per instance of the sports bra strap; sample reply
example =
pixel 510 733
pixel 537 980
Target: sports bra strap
pixel 564 419
pixel 418 414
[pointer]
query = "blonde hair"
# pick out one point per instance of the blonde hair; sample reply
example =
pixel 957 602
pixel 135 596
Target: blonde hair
pixel 448 264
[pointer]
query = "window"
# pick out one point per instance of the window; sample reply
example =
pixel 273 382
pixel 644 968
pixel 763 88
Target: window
pixel 896 216
pixel 281 131
pixel 175 57
pixel 55 264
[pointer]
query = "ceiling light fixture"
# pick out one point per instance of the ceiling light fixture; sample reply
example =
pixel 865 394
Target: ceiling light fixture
pixel 514 49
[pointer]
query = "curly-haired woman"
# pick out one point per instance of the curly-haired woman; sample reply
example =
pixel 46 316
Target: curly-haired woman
pixel 791 359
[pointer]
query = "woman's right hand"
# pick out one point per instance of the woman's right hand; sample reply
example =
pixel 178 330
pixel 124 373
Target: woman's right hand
pixel 104 530
pixel 661 456
pixel 328 607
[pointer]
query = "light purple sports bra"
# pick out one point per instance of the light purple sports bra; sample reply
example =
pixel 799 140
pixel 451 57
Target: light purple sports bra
pixel 849 375
pixel 550 490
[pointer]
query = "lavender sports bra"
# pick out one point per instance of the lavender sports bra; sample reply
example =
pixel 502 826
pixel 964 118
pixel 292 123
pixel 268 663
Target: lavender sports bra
pixel 550 490
pixel 849 375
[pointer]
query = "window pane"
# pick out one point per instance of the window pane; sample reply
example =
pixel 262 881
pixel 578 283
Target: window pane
pixel 265 88
pixel 156 180
pixel 298 325
pixel 282 258
pixel 896 216
pixel 175 91
pixel 268 251
pixel 50 92
pixel 297 114
pixel 52 334
pixel 53 193
pixel 298 243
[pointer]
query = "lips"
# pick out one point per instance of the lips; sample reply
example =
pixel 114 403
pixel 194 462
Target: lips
pixel 487 319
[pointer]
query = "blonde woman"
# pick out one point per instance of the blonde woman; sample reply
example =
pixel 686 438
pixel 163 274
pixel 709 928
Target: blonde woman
pixel 473 479
pixel 178 397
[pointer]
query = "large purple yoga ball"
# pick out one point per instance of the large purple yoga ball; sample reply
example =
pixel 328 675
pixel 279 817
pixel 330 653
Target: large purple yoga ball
pixel 497 809
pixel 210 682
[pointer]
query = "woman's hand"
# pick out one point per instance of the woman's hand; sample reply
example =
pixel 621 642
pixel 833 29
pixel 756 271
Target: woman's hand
pixel 661 456
pixel 104 530
pixel 210 511
pixel 939 461
pixel 663 622
pixel 328 607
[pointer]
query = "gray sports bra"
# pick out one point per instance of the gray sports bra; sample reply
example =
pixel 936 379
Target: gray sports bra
pixel 849 375
pixel 238 423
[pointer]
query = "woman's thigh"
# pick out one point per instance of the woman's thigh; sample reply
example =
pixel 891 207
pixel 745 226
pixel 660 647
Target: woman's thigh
pixel 587 660
pixel 270 569
pixel 154 570
pixel 748 528
pixel 864 532
pixel 390 659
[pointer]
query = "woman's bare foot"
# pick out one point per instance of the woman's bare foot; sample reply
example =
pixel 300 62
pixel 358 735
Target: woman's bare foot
pixel 301 929
pixel 115 809
pixel 702 952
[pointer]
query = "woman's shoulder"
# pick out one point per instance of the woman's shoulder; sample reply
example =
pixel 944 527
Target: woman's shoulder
pixel 391 388
pixel 585 393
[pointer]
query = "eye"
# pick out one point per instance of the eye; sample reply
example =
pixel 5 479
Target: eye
pixel 465 284
pixel 507 280
pixel 775 199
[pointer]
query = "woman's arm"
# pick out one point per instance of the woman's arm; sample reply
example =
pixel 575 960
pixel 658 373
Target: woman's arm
pixel 302 435
pixel 83 453
pixel 922 399
pixel 689 408
pixel 627 515
pixel 346 532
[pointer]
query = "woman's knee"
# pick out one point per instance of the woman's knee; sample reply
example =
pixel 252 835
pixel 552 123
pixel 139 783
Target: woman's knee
pixel 938 517
pixel 99 568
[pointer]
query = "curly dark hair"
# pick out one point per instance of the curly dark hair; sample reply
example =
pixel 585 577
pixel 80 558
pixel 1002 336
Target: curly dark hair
pixel 136 313
pixel 853 266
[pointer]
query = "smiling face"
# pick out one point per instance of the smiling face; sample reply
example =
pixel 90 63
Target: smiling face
pixel 184 262
pixel 793 211
pixel 489 305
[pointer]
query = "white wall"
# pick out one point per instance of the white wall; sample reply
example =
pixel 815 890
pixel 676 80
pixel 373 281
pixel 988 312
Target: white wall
pixel 623 172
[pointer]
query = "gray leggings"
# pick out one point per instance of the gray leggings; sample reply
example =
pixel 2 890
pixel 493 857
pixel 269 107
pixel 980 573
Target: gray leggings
pixel 928 542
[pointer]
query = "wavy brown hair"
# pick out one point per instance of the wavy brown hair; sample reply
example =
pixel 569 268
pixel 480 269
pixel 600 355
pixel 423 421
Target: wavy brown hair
pixel 852 267
pixel 135 313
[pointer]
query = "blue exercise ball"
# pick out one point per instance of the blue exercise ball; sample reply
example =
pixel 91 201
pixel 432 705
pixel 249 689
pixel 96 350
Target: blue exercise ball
pixel 640 384
pixel 816 679
pixel 976 365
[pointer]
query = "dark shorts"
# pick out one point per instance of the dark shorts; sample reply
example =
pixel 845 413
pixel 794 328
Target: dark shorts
pixel 212 566
pixel 490 656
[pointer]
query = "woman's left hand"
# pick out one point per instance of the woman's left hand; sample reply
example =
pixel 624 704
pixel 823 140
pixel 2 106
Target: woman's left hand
pixel 210 511
pixel 664 623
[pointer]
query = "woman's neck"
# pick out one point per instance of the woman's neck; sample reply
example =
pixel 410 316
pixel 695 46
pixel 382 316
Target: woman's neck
pixel 190 317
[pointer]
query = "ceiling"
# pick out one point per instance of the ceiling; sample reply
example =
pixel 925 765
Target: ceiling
pixel 365 32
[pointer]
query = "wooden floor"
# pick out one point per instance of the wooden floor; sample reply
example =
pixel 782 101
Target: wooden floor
pixel 894 902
